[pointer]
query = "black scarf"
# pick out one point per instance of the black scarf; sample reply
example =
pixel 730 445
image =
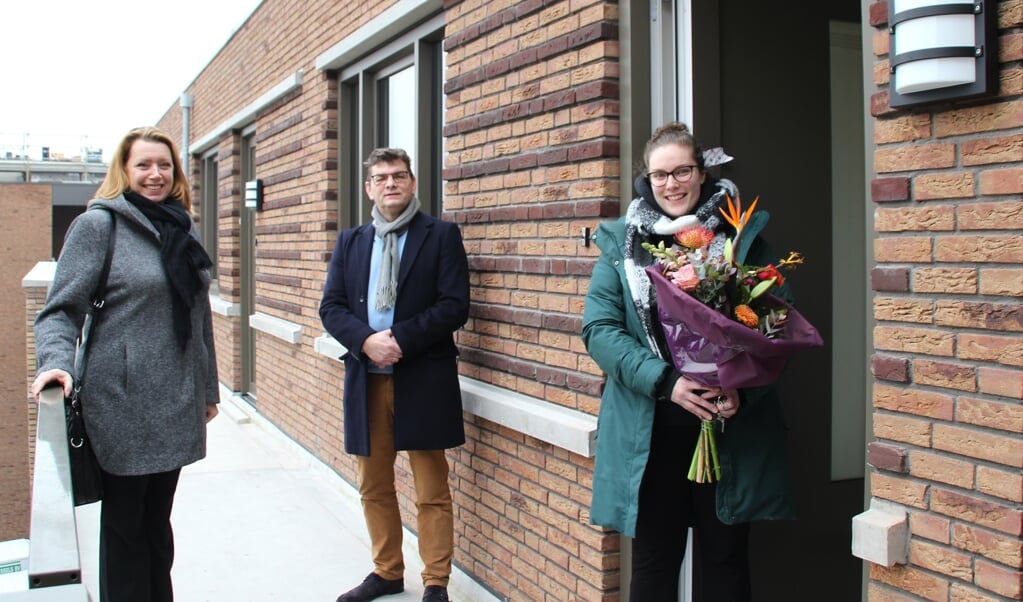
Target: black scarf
pixel 183 257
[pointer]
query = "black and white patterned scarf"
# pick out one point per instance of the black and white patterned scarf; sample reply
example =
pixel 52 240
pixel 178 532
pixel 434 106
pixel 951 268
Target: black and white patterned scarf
pixel 645 222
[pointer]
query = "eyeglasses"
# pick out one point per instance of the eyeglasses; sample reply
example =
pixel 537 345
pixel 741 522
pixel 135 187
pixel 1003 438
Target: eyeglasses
pixel 681 174
pixel 400 177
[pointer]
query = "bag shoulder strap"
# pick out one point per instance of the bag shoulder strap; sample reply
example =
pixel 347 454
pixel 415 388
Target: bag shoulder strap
pixel 99 297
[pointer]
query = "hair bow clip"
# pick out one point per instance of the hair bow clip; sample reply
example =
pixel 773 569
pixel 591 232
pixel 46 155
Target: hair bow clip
pixel 713 157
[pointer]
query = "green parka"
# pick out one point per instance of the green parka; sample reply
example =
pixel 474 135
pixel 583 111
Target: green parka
pixel 753 450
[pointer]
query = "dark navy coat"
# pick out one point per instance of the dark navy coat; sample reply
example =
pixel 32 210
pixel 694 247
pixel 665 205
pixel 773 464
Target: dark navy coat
pixel 432 303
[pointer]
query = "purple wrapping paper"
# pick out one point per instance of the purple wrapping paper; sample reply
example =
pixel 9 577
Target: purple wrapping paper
pixel 715 350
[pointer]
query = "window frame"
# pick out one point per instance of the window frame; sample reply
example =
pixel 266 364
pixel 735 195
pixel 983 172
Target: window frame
pixel 209 212
pixel 362 117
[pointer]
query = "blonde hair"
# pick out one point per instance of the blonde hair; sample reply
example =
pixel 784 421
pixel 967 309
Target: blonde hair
pixel 116 181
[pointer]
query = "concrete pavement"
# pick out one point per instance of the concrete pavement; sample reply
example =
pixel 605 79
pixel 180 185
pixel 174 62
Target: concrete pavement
pixel 262 520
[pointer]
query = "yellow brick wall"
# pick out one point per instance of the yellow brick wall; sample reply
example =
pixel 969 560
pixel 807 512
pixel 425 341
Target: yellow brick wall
pixel 948 342
pixel 531 134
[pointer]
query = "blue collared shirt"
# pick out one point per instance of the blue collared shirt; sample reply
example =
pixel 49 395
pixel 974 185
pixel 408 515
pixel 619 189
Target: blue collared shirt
pixel 380 319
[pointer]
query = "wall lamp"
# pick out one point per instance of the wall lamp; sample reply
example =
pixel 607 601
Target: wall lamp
pixel 254 194
pixel 941 50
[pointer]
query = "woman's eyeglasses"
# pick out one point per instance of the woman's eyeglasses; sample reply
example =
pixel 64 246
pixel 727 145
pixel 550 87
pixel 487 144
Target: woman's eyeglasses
pixel 400 177
pixel 681 174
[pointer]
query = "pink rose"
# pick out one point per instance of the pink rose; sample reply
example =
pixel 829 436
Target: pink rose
pixel 685 278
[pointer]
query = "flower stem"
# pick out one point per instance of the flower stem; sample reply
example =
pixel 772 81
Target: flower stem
pixel 713 440
pixel 705 467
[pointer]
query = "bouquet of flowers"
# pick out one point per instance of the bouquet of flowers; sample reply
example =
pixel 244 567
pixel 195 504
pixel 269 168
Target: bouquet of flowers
pixel 722 326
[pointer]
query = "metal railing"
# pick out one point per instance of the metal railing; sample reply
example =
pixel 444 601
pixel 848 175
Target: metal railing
pixel 54 567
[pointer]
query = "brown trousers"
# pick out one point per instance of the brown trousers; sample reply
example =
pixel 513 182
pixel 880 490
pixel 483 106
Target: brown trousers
pixel 435 517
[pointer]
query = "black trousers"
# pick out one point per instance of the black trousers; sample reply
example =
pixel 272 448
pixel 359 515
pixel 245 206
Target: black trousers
pixel 669 503
pixel 136 543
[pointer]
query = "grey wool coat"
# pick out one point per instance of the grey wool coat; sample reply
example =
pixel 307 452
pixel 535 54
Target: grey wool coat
pixel 143 397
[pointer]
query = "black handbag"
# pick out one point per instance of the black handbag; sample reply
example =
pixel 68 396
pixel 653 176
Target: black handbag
pixel 86 476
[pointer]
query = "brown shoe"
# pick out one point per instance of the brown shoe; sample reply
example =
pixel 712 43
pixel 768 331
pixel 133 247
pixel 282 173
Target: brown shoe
pixel 371 588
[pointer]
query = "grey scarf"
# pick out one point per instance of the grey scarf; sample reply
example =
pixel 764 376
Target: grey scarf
pixel 387 285
pixel 643 223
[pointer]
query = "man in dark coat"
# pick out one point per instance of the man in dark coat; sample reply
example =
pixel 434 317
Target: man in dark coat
pixel 397 289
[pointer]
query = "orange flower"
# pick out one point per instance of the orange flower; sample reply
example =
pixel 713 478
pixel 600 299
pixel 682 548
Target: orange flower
pixel 694 237
pixel 735 216
pixel 746 315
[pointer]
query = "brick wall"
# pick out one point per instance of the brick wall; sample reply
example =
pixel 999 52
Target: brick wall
pixel 229 189
pixel 24 241
pixel 35 298
pixel 948 349
pixel 532 136
pixel 531 159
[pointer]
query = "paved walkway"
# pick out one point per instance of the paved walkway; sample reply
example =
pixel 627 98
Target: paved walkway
pixel 261 520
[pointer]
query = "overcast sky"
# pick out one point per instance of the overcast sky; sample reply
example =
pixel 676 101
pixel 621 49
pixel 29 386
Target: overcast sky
pixel 77 74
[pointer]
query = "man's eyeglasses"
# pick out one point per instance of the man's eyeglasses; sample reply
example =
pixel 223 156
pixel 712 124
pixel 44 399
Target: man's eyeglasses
pixel 400 177
pixel 681 174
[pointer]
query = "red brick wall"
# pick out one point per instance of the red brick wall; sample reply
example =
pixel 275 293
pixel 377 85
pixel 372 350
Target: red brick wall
pixel 948 349
pixel 24 241
pixel 532 159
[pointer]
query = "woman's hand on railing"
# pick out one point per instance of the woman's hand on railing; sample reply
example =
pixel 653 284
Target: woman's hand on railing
pixel 56 375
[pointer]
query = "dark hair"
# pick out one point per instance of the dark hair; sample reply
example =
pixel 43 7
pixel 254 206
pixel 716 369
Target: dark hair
pixel 674 132
pixel 387 155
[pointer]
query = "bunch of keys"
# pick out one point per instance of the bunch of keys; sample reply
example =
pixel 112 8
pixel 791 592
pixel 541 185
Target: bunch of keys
pixel 719 401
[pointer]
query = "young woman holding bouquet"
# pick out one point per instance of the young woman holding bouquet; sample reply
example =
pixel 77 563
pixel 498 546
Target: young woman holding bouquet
pixel 651 415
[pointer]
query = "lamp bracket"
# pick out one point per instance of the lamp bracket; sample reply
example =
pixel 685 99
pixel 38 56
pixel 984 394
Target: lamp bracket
pixel 941 52
pixel 934 11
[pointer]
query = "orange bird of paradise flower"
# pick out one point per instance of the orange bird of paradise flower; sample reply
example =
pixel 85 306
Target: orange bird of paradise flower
pixel 735 216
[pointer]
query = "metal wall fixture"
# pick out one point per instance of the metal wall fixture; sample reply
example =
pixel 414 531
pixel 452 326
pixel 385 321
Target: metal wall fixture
pixel 941 50
pixel 254 195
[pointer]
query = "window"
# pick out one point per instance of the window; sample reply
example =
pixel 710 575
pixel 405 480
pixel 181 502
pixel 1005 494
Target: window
pixel 397 93
pixel 678 25
pixel 393 97
pixel 208 208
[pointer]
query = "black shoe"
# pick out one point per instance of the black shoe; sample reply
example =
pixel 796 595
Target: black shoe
pixel 373 587
pixel 436 593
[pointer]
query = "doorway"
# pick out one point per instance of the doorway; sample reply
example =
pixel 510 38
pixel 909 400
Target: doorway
pixel 775 115
pixel 247 261
pixel 779 86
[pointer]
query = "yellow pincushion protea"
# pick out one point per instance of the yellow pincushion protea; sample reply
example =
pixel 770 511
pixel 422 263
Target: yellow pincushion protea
pixel 746 315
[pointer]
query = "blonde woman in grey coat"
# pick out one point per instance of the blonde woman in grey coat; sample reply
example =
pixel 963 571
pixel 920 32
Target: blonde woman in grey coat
pixel 150 384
